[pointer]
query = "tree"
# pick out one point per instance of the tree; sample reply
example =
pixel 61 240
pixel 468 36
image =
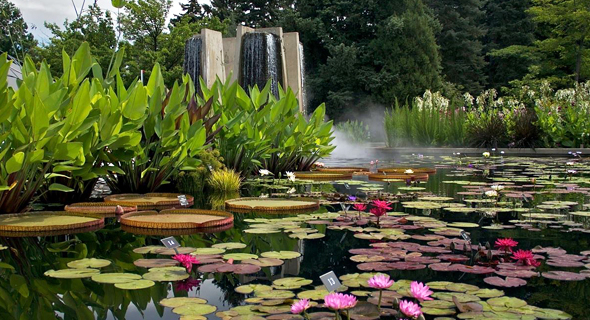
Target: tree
pixel 508 24
pixel 460 42
pixel 191 9
pixel 15 38
pixel 93 26
pixel 252 13
pixel 144 22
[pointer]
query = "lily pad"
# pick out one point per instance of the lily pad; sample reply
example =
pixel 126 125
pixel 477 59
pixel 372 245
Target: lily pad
pixel 213 250
pixel 283 255
pixel 166 274
pixel 72 273
pixel 563 276
pixel 155 263
pixel 88 263
pixel 194 309
pixel 509 282
pixel 508 302
pixel 180 301
pixel 115 277
pixel 265 262
pixel 239 256
pixel 135 285
pixel 229 245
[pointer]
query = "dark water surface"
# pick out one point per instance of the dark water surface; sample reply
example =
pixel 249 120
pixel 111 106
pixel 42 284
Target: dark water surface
pixel 29 289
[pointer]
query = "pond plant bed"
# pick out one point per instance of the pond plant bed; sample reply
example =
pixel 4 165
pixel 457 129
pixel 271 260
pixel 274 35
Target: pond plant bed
pixel 480 239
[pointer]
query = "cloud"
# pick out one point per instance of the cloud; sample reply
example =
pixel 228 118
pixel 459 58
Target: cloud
pixel 36 12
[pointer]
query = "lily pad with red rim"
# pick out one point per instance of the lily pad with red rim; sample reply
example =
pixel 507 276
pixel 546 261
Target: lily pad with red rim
pixel 509 282
pixel 563 276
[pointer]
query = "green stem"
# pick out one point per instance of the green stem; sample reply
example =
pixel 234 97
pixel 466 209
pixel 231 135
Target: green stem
pixel 336 315
pixel 380 295
pixel 347 314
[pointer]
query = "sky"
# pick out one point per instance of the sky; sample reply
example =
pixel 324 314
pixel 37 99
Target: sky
pixel 36 12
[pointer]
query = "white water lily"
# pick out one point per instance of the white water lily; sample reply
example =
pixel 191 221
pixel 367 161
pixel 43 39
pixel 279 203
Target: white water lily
pixel 264 172
pixel 290 176
pixel 491 193
pixel 486 154
pixel 497 187
pixel 409 171
pixel 292 190
pixel 570 163
pixel 264 195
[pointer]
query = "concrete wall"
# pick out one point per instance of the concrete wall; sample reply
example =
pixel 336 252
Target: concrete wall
pixel 212 56
pixel 292 65
pixel 229 55
pixel 240 31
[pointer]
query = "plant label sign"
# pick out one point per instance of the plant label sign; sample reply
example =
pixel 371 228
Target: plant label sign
pixel 170 243
pixel 183 201
pixel 330 281
pixel 347 186
pixel 465 236
pixel 344 207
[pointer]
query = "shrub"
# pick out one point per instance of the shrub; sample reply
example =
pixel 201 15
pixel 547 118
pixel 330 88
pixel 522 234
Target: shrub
pixel 354 131
pixel 194 182
pixel 225 180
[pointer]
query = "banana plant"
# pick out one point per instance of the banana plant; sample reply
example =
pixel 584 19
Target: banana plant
pixel 169 141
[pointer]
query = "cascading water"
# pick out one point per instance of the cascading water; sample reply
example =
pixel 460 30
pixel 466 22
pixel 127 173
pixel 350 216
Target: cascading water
pixel 192 58
pixel 261 60
pixel 303 88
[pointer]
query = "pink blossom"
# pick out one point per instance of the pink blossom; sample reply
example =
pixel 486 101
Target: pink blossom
pixel 378 212
pixel 410 309
pixel 382 204
pixel 186 260
pixel 300 306
pixel 360 206
pixel 420 291
pixel 339 301
pixel 380 281
pixel 505 244
pixel 525 258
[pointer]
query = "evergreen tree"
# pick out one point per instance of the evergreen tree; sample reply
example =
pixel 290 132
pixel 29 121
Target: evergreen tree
pixel 508 24
pixel 460 42
pixel 192 9
pixel 16 40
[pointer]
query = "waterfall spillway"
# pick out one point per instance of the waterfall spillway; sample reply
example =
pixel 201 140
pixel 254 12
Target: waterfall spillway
pixel 303 88
pixel 192 58
pixel 261 60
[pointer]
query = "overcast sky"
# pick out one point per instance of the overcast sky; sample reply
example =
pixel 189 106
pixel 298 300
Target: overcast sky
pixel 35 12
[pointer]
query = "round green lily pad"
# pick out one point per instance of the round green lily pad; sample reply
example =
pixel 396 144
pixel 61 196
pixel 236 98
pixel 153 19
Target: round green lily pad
pixel 291 283
pixel 72 273
pixel 313 294
pixel 461 287
pixel 283 255
pixel 275 294
pixel 488 293
pixel 239 256
pixel 438 311
pixel 180 301
pixel 166 274
pixel 209 251
pixel 229 245
pixel 115 277
pixel 508 302
pixel 249 288
pixel 135 285
pixel 148 249
pixel 88 263
pixel 194 309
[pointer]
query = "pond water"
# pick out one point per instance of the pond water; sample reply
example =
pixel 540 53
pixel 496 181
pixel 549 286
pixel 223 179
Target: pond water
pixel 514 214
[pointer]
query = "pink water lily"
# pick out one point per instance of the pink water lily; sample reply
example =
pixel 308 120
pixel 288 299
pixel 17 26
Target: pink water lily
pixel 420 291
pixel 380 281
pixel 186 260
pixel 505 244
pixel 526 258
pixel 382 204
pixel 300 306
pixel 339 301
pixel 410 309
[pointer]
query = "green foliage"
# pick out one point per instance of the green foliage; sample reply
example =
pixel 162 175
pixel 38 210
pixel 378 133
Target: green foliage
pixel 55 129
pixel 169 142
pixel 431 120
pixel 508 24
pixel 460 42
pixel 194 182
pixel 354 131
pixel 15 39
pixel 258 130
pixel 93 26
pixel 563 116
pixel 225 180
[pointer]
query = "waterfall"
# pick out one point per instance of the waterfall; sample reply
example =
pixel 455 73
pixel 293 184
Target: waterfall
pixel 261 60
pixel 192 59
pixel 303 87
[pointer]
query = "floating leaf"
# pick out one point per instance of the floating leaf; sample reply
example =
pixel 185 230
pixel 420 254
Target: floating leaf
pixel 88 263
pixel 284 255
pixel 180 301
pixel 115 277
pixel 135 285
pixel 72 273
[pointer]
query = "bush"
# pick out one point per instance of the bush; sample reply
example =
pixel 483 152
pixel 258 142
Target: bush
pixel 354 131
pixel 194 182
pixel 225 180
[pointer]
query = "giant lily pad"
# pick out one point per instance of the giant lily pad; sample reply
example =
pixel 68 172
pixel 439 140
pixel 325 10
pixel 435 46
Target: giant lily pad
pixel 271 204
pixel 166 274
pixel 177 219
pixel 180 301
pixel 46 221
pixel 149 201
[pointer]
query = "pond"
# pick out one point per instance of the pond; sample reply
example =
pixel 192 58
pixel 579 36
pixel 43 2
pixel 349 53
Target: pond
pixel 539 204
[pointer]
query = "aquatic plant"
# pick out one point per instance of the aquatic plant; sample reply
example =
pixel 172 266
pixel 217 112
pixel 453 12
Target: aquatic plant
pixel 380 281
pixel 186 260
pixel 525 257
pixel 505 244
pixel 420 291
pixel 225 180
pixel 340 301
pixel 301 306
pixel 410 309
pixel 264 172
